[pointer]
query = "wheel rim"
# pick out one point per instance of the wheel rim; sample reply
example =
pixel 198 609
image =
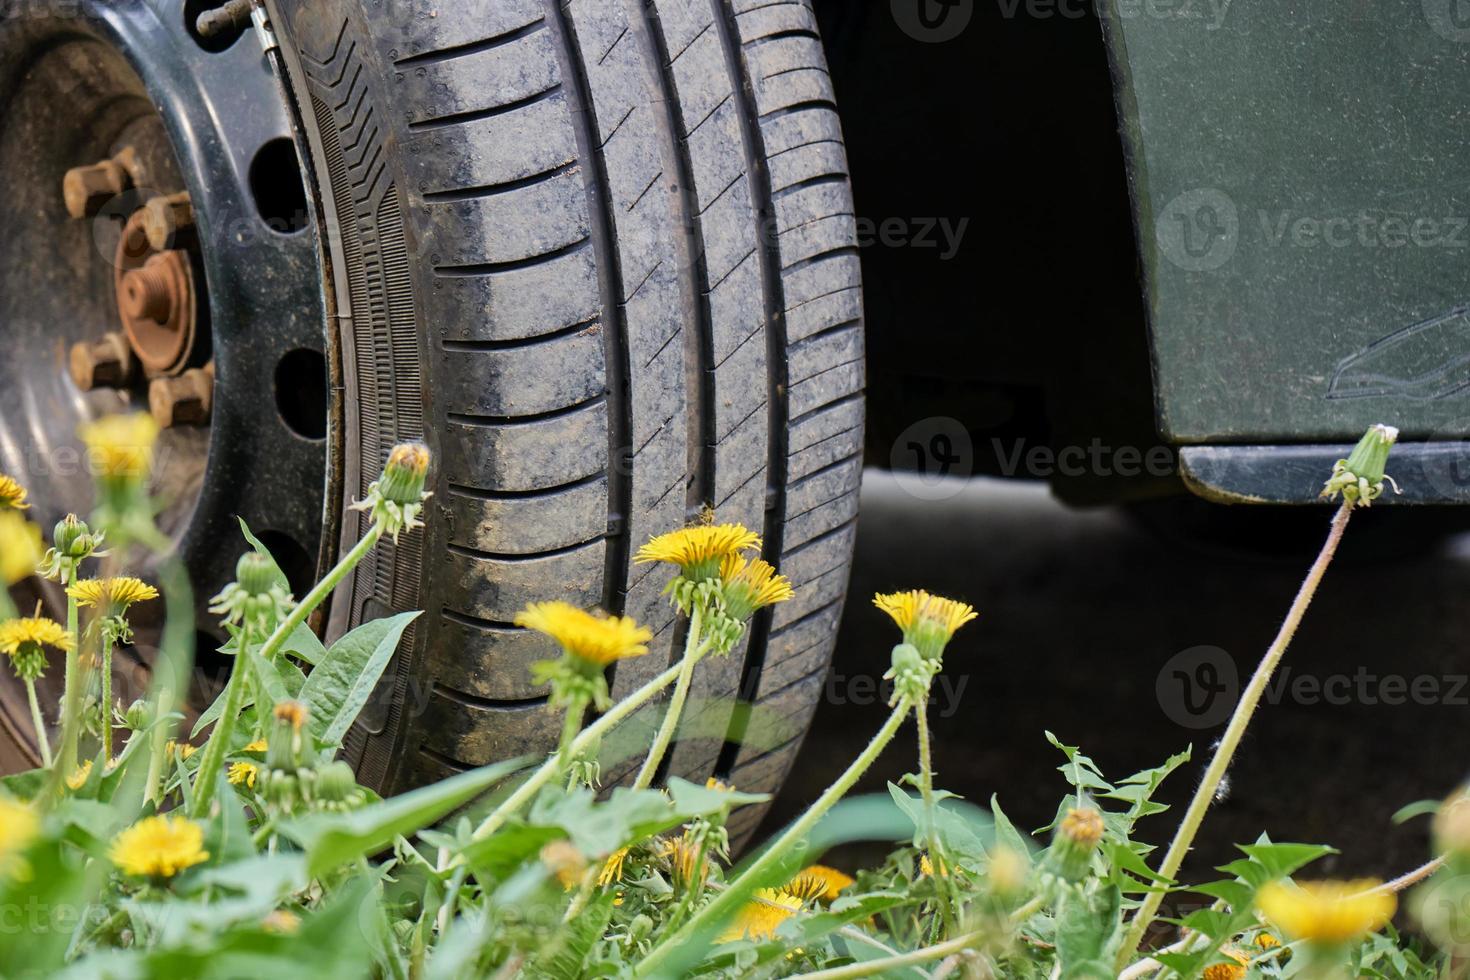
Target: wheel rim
pixel 243 287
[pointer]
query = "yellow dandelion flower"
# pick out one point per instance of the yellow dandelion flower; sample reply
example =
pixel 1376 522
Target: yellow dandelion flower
pixel 180 750
pixel 120 447
pixel 281 922
pixel 562 859
pixel 687 863
pixel 20 548
pixel 927 621
pixel 291 712
pixel 259 745
pixel 818 883
pixel 19 825
pixel 38 631
pixel 718 785
pixel 112 595
pixel 761 916
pixel 926 867
pixel 596 639
pixel 79 777
pixel 1234 970
pixel 612 868
pixel 1327 911
pixel 699 550
pixel 12 494
pixel 243 774
pixel 1267 942
pixel 751 585
pixel 159 847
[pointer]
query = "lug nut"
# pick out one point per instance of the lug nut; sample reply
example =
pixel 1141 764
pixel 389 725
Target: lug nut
pixel 166 217
pixel 185 400
pixel 87 189
pixel 104 363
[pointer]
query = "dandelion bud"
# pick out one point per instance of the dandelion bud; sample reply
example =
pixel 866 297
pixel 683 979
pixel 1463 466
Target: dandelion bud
pixel 640 928
pixel 290 744
pixel 1359 478
pixel 139 715
pixel 910 673
pixel 1076 839
pixel 1452 828
pixel 256 573
pixel 405 473
pixel 336 782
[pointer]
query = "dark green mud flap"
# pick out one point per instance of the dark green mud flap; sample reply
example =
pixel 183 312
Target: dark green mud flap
pixel 1427 473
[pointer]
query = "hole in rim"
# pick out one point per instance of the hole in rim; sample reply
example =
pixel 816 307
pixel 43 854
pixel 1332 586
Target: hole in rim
pixel 295 562
pixel 301 392
pixel 276 185
pixel 217 43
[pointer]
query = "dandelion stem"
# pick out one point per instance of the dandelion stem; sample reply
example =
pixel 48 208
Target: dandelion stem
pixel 1230 741
pixel 40 723
pixel 873 967
pixel 759 871
pixel 571 724
pixel 693 651
pixel 320 591
pixel 1403 882
pixel 931 824
pixel 549 770
pixel 71 698
pixel 224 729
pixel 106 697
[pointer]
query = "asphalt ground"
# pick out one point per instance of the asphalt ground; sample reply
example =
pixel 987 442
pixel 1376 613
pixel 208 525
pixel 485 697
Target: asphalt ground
pixel 1132 644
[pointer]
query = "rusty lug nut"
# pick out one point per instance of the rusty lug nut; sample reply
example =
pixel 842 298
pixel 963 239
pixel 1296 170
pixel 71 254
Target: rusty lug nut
pixel 87 189
pixel 105 363
pixel 164 217
pixel 233 15
pixel 147 292
pixel 185 400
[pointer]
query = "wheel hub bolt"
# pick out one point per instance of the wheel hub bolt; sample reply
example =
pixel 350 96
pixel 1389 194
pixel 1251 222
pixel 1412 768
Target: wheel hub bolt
pixel 185 400
pixel 147 292
pixel 165 217
pixel 104 363
pixel 87 189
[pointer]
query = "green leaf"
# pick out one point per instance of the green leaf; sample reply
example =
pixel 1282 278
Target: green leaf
pixel 332 840
pixel 1088 924
pixel 339 686
pixel 1006 833
pixel 1284 860
pixel 267 677
pixel 566 957
pixel 278 577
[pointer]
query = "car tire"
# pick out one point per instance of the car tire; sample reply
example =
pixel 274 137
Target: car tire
pixel 601 257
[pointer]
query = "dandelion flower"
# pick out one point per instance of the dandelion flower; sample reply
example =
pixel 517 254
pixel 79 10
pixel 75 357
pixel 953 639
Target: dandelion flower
pixel 293 713
pixel 612 868
pixel 20 548
pixel 19 825
pixel 179 750
pixel 1330 912
pixel 120 447
pixel 80 775
pixel 243 774
pixel 926 867
pixel 818 883
pixel 927 621
pixel 25 642
pixel 565 861
pixel 12 494
pixel 281 922
pixel 751 585
pixel 159 847
pixel 598 640
pixel 687 863
pixel 1234 970
pixel 761 916
pixel 699 550
pixel 259 745
pixel 112 595
pixel 718 785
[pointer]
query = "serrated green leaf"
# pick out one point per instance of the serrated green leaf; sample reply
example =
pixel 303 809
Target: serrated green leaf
pixel 339 686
